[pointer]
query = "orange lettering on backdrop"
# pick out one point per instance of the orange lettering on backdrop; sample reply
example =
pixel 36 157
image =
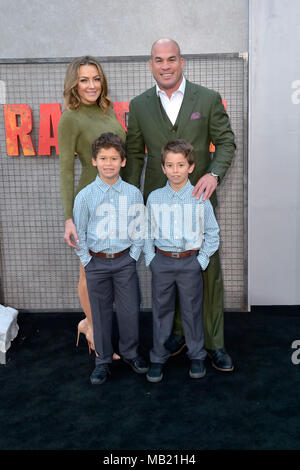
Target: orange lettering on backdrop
pixel 49 116
pixel 18 125
pixel 121 109
pixel 212 148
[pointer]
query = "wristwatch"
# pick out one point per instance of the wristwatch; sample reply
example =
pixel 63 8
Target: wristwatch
pixel 216 176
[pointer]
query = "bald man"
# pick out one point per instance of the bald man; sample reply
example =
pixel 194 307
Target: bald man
pixel 178 109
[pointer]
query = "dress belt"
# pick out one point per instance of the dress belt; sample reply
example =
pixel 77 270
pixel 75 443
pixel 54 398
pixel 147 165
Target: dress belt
pixel 174 254
pixel 108 255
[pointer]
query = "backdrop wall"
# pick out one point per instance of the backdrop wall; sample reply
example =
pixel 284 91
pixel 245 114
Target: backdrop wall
pixel 38 270
pixel 274 170
pixel 115 28
pixel 40 28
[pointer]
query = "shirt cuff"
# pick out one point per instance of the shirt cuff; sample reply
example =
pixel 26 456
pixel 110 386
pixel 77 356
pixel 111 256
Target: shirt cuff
pixel 85 259
pixel 203 260
pixel 135 252
pixel 149 257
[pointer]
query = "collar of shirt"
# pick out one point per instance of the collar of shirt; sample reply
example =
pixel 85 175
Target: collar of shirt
pixel 179 90
pixel 105 186
pixel 181 193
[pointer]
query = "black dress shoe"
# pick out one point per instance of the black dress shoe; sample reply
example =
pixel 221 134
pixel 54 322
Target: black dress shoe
pixel 99 374
pixel 138 364
pixel 155 373
pixel 175 344
pixel 197 369
pixel 220 360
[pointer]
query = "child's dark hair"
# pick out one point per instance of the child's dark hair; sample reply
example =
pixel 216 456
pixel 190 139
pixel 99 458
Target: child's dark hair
pixel 107 140
pixel 178 146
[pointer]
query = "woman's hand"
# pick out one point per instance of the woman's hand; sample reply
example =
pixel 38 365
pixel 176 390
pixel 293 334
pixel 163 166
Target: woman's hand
pixel 70 236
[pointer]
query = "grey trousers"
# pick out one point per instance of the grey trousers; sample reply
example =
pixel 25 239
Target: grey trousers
pixel 108 281
pixel 185 274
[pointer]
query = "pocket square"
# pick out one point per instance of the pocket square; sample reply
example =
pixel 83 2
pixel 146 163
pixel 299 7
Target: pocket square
pixel 195 116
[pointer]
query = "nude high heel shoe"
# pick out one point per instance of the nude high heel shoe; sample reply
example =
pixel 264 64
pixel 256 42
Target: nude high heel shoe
pixel 82 327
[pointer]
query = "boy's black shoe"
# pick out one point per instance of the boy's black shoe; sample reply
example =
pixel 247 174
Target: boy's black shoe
pixel 220 360
pixel 197 369
pixel 155 373
pixel 175 344
pixel 99 374
pixel 138 364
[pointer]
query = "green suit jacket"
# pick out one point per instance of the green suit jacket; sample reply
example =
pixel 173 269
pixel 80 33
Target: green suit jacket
pixel 202 119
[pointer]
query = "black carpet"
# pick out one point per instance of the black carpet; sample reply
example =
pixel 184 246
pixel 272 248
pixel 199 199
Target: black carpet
pixel 47 401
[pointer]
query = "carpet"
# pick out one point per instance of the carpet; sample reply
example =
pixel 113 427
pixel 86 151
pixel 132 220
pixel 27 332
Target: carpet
pixel 48 403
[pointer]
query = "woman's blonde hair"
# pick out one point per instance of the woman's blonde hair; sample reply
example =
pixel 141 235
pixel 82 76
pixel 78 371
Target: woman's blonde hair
pixel 71 97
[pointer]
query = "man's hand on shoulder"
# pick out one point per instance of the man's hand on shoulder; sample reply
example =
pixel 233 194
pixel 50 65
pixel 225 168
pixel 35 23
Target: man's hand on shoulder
pixel 207 184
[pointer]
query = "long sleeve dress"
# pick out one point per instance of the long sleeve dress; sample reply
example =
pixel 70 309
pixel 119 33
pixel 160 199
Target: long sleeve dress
pixel 77 129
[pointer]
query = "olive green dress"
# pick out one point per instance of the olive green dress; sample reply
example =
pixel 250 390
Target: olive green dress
pixel 77 130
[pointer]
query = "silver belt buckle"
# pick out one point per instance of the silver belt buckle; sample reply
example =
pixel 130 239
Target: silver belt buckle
pixel 175 255
pixel 110 255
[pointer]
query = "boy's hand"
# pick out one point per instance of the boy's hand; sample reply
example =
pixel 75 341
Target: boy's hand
pixel 70 235
pixel 206 184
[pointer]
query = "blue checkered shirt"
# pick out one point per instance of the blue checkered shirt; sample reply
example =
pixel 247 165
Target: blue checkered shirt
pixel 109 218
pixel 178 222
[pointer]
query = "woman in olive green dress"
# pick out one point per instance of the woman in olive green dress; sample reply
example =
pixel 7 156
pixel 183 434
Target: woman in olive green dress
pixel 87 114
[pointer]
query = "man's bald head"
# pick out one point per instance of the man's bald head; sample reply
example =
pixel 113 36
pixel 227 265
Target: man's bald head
pixel 166 65
pixel 165 42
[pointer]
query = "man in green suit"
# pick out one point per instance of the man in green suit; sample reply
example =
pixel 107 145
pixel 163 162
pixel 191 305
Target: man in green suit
pixel 178 109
